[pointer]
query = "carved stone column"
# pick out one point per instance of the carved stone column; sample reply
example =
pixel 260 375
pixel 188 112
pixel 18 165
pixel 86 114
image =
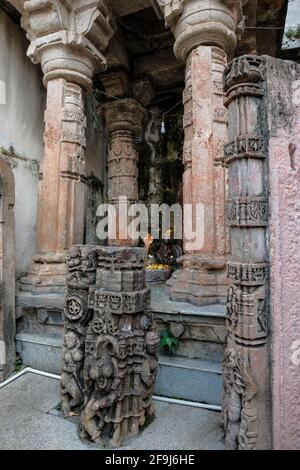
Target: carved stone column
pixel 110 350
pixel 205 33
pixel 246 401
pixel 67 43
pixel 124 122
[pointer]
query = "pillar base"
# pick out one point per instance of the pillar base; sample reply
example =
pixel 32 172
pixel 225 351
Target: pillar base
pixel 201 281
pixel 46 274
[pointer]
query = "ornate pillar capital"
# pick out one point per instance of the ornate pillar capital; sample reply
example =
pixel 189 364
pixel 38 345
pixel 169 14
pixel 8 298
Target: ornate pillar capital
pixel 126 115
pixel 68 37
pixel 209 22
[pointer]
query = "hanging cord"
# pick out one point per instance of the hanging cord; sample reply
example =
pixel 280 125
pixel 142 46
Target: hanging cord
pixel 149 110
pixel 162 115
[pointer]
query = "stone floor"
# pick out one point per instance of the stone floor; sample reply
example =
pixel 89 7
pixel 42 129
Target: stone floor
pixel 29 420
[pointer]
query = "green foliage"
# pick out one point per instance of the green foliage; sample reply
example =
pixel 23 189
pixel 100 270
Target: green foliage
pixel 18 363
pixel 168 341
pixel 293 33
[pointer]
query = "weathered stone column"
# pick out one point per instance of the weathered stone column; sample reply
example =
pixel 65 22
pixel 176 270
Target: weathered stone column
pixel 204 36
pixel 67 43
pixel 124 122
pixel 246 402
pixel 110 349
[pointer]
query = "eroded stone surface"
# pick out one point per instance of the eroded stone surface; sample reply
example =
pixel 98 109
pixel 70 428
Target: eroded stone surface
pixel 284 171
pixel 246 398
pixel 110 348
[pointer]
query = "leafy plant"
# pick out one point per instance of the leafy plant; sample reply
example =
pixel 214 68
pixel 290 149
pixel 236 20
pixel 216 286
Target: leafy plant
pixel 18 363
pixel 168 341
pixel 293 32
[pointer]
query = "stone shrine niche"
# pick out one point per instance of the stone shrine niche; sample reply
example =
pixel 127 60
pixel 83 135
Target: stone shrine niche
pixel 110 347
pixel 7 270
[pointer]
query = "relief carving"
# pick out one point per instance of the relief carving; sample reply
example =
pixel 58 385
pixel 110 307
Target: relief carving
pixel 246 402
pixel 218 87
pixel 245 146
pixel 248 274
pixel 240 413
pixel 187 154
pixel 111 349
pixel 187 119
pixel 247 313
pixel 244 70
pixel 247 212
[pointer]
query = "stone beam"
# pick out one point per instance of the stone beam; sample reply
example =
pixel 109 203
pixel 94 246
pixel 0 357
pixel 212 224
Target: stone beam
pixel 125 7
pixel 161 67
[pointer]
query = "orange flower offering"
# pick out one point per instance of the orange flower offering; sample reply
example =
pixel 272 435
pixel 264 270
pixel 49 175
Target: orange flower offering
pixel 156 267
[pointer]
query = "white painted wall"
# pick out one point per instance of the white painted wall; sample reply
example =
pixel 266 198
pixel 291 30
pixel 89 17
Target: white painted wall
pixel 22 104
pixel 292 20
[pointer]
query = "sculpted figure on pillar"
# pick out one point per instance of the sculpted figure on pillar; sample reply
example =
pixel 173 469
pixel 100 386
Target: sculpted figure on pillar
pixel 110 350
pixel 205 36
pixel 68 39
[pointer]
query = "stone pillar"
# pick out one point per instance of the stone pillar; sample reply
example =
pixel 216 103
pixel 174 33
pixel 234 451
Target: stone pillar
pixel 7 270
pixel 204 36
pixel 67 43
pixel 124 122
pixel 246 400
pixel 110 350
pixel 62 190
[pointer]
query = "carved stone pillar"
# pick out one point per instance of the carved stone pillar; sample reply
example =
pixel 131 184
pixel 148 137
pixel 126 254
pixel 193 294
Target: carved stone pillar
pixel 124 122
pixel 67 43
pixel 204 36
pixel 246 401
pixel 110 350
pixel 62 189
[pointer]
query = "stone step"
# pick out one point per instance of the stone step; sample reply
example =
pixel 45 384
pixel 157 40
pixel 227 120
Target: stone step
pixel 201 330
pixel 189 379
pixel 40 352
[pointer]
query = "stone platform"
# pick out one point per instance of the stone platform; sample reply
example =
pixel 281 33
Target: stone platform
pixel 29 420
pixel 193 374
pixel 201 330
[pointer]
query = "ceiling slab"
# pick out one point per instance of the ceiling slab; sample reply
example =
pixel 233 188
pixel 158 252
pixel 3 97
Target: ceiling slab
pixel 127 7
